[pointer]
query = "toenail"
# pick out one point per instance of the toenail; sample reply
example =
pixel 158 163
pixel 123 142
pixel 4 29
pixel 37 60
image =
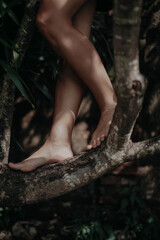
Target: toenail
pixel 89 146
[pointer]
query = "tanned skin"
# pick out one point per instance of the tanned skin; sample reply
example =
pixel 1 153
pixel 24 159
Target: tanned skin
pixel 66 24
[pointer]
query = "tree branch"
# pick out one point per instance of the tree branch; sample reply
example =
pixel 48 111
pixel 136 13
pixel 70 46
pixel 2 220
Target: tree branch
pixel 56 179
pixel 7 88
pixel 146 152
pixel 129 83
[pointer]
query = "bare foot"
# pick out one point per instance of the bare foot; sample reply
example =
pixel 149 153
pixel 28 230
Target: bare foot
pixel 102 129
pixel 48 153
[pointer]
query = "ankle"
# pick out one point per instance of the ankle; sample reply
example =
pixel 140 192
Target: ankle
pixel 59 139
pixel 109 107
pixel 109 103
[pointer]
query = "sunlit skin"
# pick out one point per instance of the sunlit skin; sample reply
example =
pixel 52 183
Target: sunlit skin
pixel 67 25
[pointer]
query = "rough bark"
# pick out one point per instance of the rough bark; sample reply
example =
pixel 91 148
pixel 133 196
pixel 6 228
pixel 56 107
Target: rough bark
pixel 6 111
pixel 150 65
pixel 57 179
pixel 146 152
pixel 130 84
pixel 7 88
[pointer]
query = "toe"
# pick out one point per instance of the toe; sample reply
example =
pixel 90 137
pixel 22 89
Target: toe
pixel 94 143
pixel 15 166
pixel 89 147
pixel 98 141
pixel 102 137
pixel 20 166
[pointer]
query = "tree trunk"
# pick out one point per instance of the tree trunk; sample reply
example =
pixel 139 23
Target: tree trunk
pixel 7 88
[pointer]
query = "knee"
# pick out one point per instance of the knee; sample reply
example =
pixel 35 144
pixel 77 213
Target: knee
pixel 41 22
pixel 50 24
pixel 52 27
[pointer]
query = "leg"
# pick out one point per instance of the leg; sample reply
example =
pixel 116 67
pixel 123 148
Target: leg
pixel 69 93
pixel 70 88
pixel 54 20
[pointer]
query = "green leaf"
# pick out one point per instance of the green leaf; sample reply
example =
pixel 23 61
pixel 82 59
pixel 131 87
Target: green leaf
pixel 4 5
pixel 13 16
pixel 150 219
pixel 10 45
pixel 17 81
pixel 16 58
pixel 124 205
pixel 97 23
pixel 5 43
pixel 19 145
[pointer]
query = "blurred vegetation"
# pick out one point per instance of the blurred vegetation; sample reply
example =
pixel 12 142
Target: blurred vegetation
pixel 130 218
